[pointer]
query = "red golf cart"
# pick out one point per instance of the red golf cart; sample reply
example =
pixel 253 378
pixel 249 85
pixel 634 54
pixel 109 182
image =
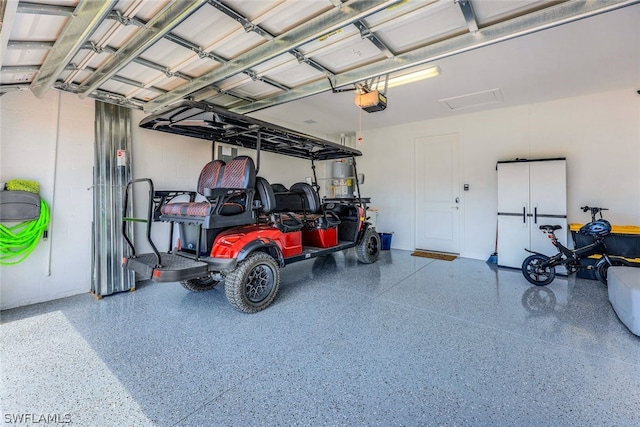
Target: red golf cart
pixel 236 227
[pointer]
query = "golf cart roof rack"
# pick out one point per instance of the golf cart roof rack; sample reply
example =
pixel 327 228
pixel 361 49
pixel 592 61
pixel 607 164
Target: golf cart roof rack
pixel 216 124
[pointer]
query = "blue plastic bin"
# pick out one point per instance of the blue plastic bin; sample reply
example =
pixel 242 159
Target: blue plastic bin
pixel 385 239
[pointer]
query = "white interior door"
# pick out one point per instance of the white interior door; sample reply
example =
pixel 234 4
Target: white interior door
pixel 438 201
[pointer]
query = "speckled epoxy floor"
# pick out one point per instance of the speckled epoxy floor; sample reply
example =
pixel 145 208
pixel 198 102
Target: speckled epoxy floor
pixel 405 341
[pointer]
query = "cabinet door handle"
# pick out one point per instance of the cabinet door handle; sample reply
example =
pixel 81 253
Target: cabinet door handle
pixel 524 215
pixel 535 215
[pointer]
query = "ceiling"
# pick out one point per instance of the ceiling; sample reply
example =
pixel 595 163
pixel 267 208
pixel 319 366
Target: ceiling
pixel 280 59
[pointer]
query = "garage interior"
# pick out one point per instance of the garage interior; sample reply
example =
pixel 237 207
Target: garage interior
pixel 403 341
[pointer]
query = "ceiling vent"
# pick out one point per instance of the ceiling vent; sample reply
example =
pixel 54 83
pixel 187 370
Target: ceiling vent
pixel 472 99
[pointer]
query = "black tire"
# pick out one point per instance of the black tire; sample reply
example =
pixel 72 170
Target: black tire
pixel 532 271
pixel 602 267
pixel 368 250
pixel 200 284
pixel 254 284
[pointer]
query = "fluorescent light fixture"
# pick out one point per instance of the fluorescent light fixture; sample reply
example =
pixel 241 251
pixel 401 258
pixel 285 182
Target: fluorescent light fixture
pixel 413 77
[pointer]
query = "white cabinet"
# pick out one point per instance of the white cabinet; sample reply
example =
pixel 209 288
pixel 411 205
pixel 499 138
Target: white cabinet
pixel 530 193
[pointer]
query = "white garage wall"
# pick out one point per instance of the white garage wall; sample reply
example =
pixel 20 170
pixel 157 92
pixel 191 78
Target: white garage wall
pixel 599 134
pixel 31 129
pixel 277 168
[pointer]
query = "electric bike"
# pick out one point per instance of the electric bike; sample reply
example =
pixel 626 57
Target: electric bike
pixel 540 269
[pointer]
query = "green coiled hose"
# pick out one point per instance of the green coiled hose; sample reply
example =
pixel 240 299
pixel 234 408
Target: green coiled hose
pixel 20 240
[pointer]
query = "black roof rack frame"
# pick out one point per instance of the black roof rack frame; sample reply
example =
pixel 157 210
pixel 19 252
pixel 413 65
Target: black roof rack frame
pixel 216 124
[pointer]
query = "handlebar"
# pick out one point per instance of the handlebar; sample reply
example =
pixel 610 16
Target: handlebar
pixel 594 211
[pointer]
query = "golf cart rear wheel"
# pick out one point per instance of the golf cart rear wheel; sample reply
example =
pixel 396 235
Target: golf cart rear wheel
pixel 253 285
pixel 368 249
pixel 200 284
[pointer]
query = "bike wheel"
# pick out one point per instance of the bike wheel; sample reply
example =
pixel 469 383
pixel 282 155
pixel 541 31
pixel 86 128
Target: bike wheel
pixel 602 267
pixel 533 271
pixel 539 300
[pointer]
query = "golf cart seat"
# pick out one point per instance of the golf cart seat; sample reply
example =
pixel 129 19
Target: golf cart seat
pixel 284 221
pixel 228 189
pixel 279 188
pixel 303 200
pixel 265 196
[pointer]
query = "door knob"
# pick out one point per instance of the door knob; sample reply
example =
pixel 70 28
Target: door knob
pixel 457 199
